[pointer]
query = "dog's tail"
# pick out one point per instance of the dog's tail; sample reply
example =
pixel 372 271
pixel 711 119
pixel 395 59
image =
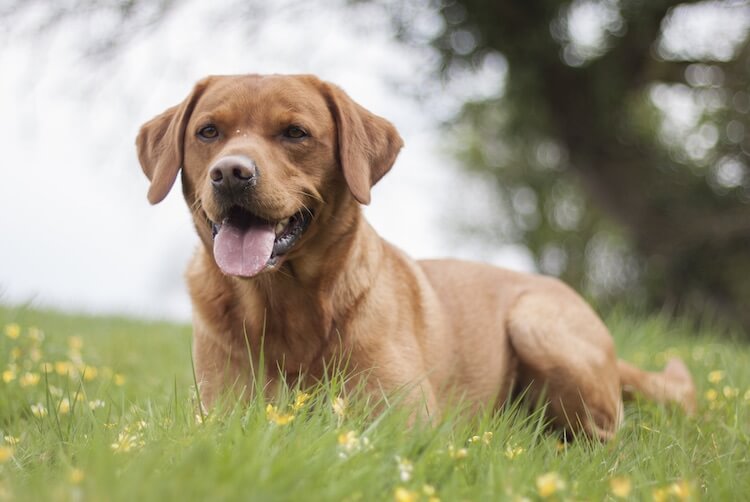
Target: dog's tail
pixel 672 385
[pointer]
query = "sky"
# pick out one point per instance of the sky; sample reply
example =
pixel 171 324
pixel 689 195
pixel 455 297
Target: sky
pixel 78 233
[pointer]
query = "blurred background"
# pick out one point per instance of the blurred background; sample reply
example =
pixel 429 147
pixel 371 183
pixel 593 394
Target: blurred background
pixel 602 141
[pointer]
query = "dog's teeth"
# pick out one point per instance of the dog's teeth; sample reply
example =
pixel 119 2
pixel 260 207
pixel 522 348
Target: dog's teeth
pixel 280 226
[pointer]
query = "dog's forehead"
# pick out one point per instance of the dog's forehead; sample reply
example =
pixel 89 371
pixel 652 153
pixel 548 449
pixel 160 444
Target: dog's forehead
pixel 263 96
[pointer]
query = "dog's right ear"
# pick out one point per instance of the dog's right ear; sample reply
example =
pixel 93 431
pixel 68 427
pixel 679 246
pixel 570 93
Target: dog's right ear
pixel 160 144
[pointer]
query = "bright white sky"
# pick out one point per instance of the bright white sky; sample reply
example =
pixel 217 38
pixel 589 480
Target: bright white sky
pixel 77 231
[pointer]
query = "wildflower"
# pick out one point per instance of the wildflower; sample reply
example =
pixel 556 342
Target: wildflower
pixel 119 379
pixel 75 343
pixel 405 468
pixel 38 410
pixel 457 453
pixel 339 407
pixel 746 397
pixel 512 452
pixel 12 330
pixel 55 391
pixel 29 379
pixel 680 489
pixel 403 495
pixel 126 442
pixel 76 476
pixel 350 442
pixel 620 486
pixel 35 354
pixel 548 484
pixel 64 406
pixel 716 376
pixel 299 400
pixel 11 440
pixel 487 437
pixel 711 395
pixel 36 334
pixel 89 372
pixel 273 415
pixel 6 453
pixel 430 492
pixel 62 368
pixel 96 404
pixel 730 392
pixel 9 376
pixel 659 495
pixel 474 439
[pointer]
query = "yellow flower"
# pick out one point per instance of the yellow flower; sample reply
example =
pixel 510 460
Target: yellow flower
pixel 512 452
pixel 29 379
pixel 35 354
pixel 405 468
pixel 75 343
pixel 711 394
pixel 299 400
pixel 746 397
pixel 64 406
pixel 620 486
pixel 548 484
pixel 6 453
pixel 36 334
pixel 38 410
pixel 659 495
pixel 487 437
pixel 89 372
pixel 11 440
pixel 119 379
pixel 680 489
pixel 403 495
pixel 730 392
pixel 12 330
pixel 9 376
pixel 273 415
pixel 428 490
pixel 76 476
pixel 339 407
pixel 457 453
pixel 126 442
pixel 716 376
pixel 62 367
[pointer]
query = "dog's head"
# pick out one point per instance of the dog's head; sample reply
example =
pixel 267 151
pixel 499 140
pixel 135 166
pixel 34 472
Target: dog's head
pixel 261 156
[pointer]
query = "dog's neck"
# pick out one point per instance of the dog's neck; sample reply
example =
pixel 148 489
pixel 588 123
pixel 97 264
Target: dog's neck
pixel 299 313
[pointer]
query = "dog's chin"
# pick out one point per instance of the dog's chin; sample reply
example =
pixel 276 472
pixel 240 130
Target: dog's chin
pixel 246 245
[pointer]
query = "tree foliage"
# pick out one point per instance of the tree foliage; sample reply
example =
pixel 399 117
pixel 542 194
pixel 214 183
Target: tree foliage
pixel 620 142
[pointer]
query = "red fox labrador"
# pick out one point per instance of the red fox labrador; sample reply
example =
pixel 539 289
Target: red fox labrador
pixel 274 169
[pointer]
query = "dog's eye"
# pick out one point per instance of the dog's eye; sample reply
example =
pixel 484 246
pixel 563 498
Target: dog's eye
pixel 295 132
pixel 208 132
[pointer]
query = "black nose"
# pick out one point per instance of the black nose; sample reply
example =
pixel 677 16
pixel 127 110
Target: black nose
pixel 233 173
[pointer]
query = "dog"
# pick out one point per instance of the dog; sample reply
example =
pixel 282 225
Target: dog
pixel 274 169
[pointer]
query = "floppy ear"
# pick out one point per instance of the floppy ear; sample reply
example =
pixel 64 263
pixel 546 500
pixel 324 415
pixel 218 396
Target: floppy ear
pixel 160 144
pixel 368 144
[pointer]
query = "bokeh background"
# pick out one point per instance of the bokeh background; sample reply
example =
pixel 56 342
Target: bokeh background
pixel 602 141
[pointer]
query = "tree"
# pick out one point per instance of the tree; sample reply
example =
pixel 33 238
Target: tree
pixel 608 190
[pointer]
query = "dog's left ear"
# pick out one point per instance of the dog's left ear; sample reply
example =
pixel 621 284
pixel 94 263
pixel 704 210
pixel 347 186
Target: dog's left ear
pixel 160 144
pixel 368 144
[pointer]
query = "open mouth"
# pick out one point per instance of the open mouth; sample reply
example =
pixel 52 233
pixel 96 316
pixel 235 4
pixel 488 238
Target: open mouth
pixel 245 244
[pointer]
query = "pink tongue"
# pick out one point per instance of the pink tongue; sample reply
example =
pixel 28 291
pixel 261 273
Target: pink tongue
pixel 243 251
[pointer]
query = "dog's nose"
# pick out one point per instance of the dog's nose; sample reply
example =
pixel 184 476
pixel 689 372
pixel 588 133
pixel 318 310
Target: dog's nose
pixel 233 171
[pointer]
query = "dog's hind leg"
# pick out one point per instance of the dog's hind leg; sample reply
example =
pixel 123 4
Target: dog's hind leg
pixel 566 360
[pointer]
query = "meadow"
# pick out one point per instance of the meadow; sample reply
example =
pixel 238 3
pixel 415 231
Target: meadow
pixel 97 408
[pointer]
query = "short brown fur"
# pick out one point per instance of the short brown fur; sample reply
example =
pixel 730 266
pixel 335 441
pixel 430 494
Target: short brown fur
pixel 444 329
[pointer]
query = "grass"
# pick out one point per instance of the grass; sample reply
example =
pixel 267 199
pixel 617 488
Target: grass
pixel 104 409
